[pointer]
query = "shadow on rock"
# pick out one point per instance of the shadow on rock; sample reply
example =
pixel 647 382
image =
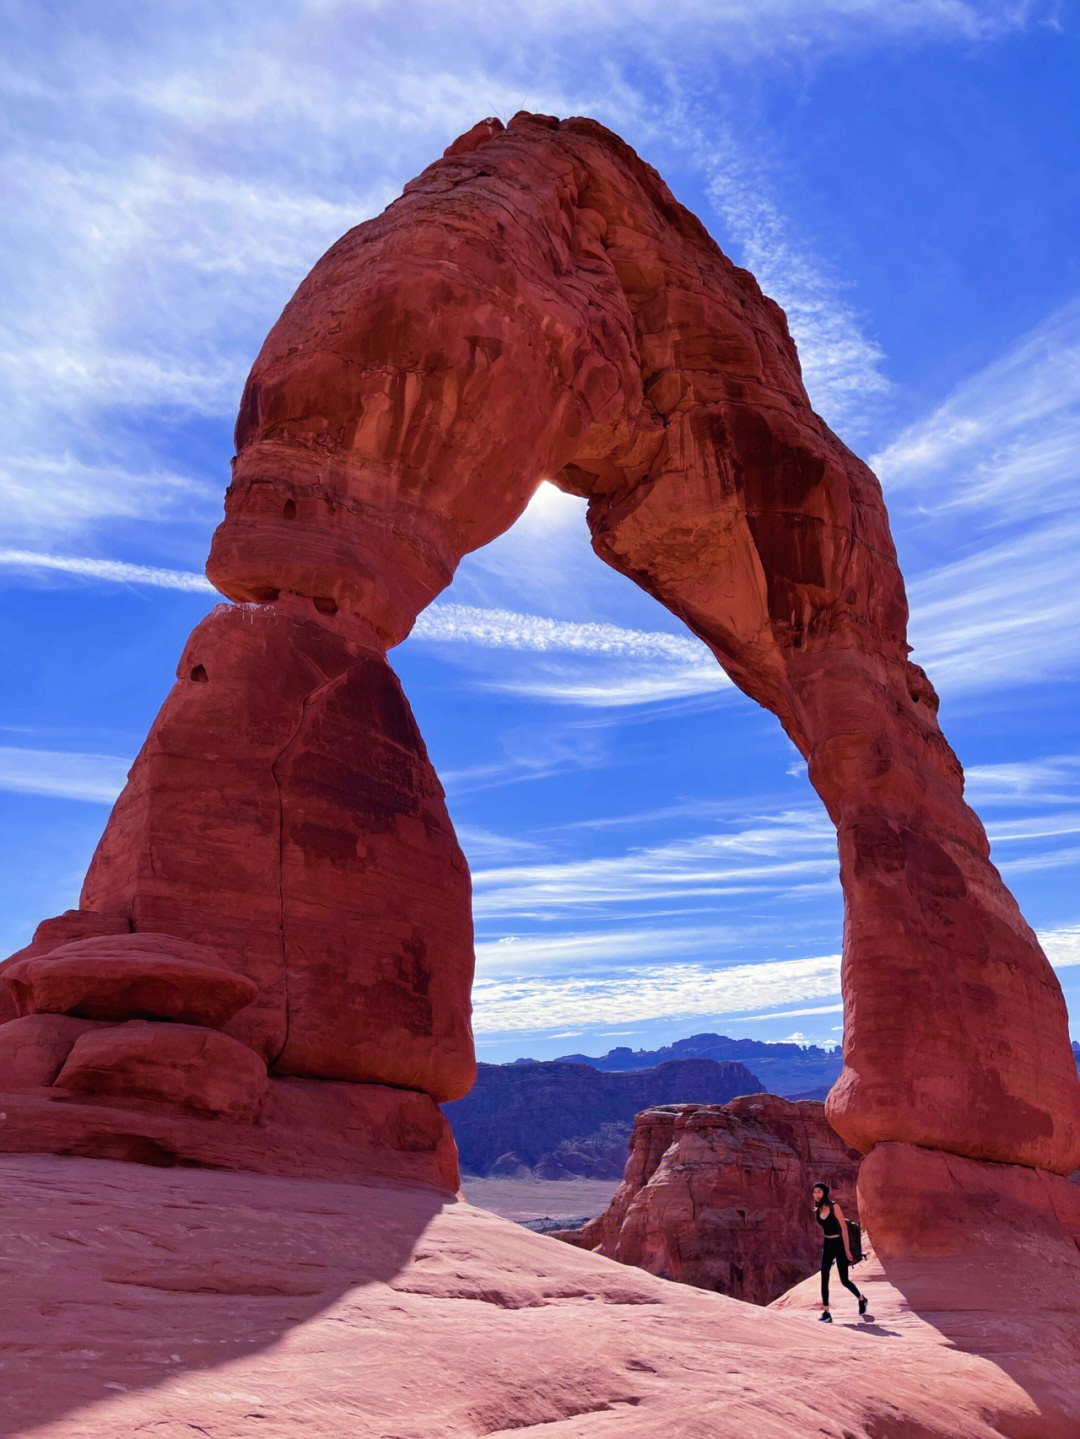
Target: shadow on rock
pixel 268 1254
pixel 989 1256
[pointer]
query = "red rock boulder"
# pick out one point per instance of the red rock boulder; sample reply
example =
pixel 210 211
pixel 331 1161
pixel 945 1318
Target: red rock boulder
pixel 51 933
pixel 129 976
pixel 178 1065
pixel 33 1049
pixel 719 1196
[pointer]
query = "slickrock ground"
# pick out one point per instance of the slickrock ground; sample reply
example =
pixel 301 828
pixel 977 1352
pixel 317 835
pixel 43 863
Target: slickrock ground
pixel 1024 1332
pixel 169 1303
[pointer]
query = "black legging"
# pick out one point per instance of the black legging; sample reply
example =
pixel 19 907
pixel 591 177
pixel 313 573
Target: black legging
pixel 833 1248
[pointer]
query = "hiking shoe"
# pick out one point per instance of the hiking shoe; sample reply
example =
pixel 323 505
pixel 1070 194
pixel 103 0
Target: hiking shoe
pixel 862 1304
pixel 825 1317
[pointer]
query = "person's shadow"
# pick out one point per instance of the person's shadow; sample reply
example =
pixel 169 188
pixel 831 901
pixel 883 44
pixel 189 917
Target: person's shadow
pixel 868 1325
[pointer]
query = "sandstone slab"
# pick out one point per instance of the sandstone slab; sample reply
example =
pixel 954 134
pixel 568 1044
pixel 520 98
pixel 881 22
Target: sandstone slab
pixel 241 1305
pixel 305 1128
pixel 179 1065
pixel 59 929
pixel 129 976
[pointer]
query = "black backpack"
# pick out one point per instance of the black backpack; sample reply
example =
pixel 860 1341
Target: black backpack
pixel 854 1234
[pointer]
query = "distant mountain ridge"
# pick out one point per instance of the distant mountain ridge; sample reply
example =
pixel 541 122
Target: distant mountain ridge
pixel 790 1070
pixel 557 1119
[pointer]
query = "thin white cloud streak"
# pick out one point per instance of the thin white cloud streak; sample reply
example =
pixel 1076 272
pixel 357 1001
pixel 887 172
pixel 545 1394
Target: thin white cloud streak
pixel 628 687
pixel 843 369
pixel 1006 442
pixel 482 844
pixel 1050 779
pixel 503 629
pixel 97 778
pixel 1032 863
pixel 747 993
pixel 695 809
pixel 791 1014
pixel 106 571
pixel 1062 945
pixel 1023 831
pixel 796 849
pixel 637 993
pixel 993 470
pixel 636 666
pixel 539 955
pixel 59 495
pixel 1006 615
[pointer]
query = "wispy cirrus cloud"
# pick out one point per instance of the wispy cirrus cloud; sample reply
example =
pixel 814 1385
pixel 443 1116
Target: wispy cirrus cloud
pixel 987 479
pixel 843 367
pixel 1006 443
pixel 58 496
pixel 1062 945
pixel 1004 615
pixel 640 992
pixel 61 774
pixel 1050 779
pixel 105 571
pixel 677 989
pixel 550 953
pixel 614 666
pixel 502 629
pixel 784 853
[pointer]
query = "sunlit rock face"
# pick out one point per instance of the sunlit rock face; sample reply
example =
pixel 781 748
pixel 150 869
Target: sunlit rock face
pixel 719 1195
pixel 284 812
pixel 538 304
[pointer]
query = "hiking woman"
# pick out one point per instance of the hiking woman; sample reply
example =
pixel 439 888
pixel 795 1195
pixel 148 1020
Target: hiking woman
pixel 835 1246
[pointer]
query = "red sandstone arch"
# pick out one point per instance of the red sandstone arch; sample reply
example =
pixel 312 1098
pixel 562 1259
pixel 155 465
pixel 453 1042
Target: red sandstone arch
pixel 537 303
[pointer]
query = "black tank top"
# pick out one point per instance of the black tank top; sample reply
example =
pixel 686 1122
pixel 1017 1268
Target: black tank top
pixel 830 1225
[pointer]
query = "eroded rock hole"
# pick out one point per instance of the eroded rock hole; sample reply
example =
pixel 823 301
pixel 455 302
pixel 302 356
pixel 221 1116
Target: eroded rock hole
pixel 288 510
pixel 199 675
pixel 325 605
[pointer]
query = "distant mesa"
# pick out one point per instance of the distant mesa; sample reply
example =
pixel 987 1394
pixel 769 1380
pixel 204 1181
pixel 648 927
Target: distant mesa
pixel 794 1071
pixel 555 1120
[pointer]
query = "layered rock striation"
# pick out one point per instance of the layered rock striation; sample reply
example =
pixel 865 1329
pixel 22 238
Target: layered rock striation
pixel 719 1196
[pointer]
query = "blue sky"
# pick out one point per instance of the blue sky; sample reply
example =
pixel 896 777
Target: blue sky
pixel 648 857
